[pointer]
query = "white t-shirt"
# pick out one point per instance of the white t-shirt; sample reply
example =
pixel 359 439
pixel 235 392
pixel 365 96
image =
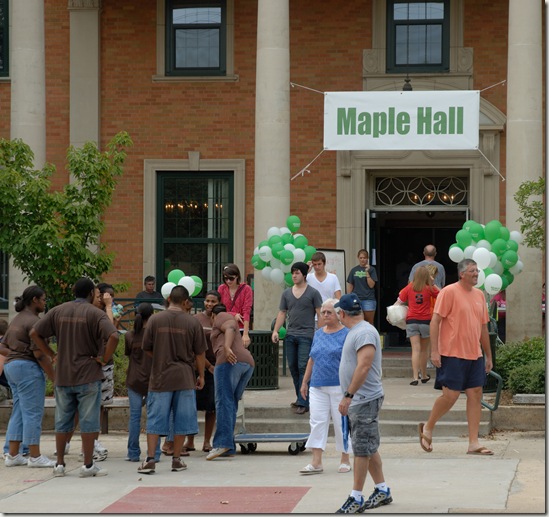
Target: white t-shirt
pixel 327 287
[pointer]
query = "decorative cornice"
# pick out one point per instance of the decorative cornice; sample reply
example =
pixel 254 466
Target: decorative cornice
pixel 84 4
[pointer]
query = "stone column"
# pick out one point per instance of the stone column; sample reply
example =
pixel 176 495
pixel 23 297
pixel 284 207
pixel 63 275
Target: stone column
pixel 85 47
pixel 272 141
pixel 524 156
pixel 28 94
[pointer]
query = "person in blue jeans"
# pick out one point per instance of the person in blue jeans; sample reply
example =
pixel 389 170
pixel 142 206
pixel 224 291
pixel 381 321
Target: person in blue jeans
pixel 137 379
pixel 298 306
pixel 234 365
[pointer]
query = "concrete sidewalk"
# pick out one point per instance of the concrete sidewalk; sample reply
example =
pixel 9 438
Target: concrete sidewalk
pixel 267 481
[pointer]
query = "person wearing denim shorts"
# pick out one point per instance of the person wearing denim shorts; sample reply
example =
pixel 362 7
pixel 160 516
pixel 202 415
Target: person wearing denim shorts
pixel 81 331
pixel 360 381
pixel 298 305
pixel 361 281
pixel 176 342
pixel 459 336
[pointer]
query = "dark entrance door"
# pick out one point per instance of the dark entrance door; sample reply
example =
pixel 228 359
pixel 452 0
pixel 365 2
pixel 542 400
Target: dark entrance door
pixel 399 239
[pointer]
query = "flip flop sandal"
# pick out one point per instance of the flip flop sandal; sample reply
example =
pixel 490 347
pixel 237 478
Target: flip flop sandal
pixel 309 469
pixel 424 437
pixel 481 451
pixel 206 449
pixel 344 467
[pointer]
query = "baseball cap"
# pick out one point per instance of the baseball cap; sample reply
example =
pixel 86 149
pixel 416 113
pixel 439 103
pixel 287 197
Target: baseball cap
pixel 349 302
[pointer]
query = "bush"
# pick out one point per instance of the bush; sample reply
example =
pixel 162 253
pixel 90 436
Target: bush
pixel 514 355
pixel 528 378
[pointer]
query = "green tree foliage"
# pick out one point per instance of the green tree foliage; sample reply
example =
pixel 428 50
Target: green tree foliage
pixel 529 198
pixel 53 237
pixel 518 356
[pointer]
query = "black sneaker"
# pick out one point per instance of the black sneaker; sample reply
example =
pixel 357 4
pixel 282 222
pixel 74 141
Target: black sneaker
pixel 178 465
pixel 378 498
pixel 147 467
pixel 352 505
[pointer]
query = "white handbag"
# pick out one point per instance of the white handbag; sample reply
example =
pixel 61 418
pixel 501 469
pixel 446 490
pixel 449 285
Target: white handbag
pixel 396 315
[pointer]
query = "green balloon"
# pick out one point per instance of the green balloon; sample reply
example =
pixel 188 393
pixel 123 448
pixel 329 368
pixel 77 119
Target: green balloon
pixel 286 257
pixel 287 238
pixel 301 242
pixel 463 238
pixel 175 275
pixel 293 223
pixel 507 275
pixel 282 331
pixel 274 239
pixel 476 231
pixel 504 283
pixel 488 271
pixel 197 285
pixel 288 279
pixel 467 224
pixel 276 248
pixel 509 259
pixel 499 247
pixel 263 243
pixel 257 263
pixel 512 245
pixel 504 233
pixel 491 230
pixel 309 252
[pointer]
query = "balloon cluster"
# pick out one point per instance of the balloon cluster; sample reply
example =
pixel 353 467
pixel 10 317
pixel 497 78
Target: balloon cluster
pixel 282 248
pixel 192 283
pixel 494 248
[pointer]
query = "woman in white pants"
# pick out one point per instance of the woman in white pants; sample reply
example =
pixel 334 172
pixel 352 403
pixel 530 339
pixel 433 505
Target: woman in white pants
pixel 322 381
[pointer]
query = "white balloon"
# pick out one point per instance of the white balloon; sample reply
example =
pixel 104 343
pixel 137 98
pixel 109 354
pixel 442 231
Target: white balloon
pixel 299 255
pixel 481 278
pixel 256 251
pixel 493 259
pixel 516 236
pixel 298 235
pixel 482 257
pixel 188 283
pixel 498 268
pixel 266 272
pixel 456 254
pixel 277 276
pixel 467 252
pixel 167 289
pixel 275 263
pixel 517 268
pixel 265 253
pixel 285 268
pixel 483 243
pixel 273 230
pixel 284 230
pixel 492 284
pixel 289 247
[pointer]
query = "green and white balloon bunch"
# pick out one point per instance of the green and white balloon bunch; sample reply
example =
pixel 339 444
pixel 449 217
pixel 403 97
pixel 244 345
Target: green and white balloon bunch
pixel 495 250
pixel 282 248
pixel 192 283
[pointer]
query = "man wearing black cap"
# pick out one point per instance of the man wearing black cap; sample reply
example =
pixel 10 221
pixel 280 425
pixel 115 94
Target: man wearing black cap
pixel 360 380
pixel 298 305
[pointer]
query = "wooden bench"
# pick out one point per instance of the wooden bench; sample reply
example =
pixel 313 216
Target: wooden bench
pixel 117 403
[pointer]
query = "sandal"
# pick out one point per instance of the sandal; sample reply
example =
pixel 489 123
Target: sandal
pixel 207 448
pixel 344 467
pixel 309 469
pixel 424 437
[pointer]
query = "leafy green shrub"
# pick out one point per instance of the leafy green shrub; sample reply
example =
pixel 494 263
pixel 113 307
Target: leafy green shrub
pixel 528 378
pixel 510 356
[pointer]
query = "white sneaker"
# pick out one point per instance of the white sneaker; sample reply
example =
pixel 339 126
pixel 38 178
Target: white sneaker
pixel 41 461
pixel 67 448
pixel 100 453
pixel 217 452
pixel 94 470
pixel 15 461
pixel 59 471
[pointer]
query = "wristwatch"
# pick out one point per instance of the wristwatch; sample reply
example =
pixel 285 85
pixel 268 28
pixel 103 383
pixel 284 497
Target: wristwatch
pixel 348 395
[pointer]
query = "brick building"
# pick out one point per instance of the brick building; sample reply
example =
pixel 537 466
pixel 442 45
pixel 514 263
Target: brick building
pixel 220 135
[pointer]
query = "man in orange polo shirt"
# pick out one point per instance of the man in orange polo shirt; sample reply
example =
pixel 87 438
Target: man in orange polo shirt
pixel 459 328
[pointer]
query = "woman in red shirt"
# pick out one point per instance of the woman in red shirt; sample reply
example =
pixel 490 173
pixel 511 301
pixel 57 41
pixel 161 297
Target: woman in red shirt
pixel 238 298
pixel 418 294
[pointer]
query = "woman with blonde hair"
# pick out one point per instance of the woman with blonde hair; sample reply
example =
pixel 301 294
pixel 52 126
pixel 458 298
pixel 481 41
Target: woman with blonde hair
pixel 418 294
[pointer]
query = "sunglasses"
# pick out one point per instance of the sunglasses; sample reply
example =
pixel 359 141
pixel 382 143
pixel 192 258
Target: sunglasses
pixel 229 278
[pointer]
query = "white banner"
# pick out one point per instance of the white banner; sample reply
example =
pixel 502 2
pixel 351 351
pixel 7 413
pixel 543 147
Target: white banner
pixel 401 120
